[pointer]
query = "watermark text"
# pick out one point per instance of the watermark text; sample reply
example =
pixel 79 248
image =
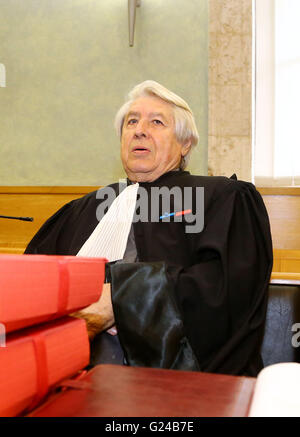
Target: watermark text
pixel 157 204
pixel 2 335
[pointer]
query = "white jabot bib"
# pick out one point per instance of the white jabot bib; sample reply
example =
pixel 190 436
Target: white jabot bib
pixel 109 238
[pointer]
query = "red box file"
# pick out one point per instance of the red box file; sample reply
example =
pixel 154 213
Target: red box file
pixel 35 359
pixel 38 288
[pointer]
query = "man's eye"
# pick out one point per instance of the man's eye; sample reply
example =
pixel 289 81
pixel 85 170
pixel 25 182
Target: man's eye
pixel 131 121
pixel 157 122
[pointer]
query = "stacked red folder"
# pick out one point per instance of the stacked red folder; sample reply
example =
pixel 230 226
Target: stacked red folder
pixel 35 289
pixel 35 359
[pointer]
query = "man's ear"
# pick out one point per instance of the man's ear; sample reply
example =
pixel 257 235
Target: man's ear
pixel 186 147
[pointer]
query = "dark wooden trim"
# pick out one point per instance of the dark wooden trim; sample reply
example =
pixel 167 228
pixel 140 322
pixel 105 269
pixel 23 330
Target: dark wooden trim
pixel 47 190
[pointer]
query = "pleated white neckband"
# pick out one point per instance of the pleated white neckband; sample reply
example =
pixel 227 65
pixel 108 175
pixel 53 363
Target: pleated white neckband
pixel 109 238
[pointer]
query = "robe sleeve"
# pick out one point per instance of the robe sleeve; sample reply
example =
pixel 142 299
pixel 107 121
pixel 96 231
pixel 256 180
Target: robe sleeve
pixel 48 240
pixel 221 298
pixel 149 323
pixel 65 231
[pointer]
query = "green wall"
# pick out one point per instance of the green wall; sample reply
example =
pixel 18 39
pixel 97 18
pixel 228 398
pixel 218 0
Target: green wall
pixel 68 68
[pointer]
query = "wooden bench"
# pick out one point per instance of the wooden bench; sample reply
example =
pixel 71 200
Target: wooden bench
pixel 37 202
pixel 283 205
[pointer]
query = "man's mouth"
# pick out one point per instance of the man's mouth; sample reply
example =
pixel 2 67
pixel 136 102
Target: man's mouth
pixel 140 150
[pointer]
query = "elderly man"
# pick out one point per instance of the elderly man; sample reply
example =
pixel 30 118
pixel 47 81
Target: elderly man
pixel 187 286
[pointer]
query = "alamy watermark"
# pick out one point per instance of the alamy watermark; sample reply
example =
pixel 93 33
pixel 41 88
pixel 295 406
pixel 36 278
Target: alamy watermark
pixel 159 204
pixel 2 76
pixel 2 335
pixel 296 337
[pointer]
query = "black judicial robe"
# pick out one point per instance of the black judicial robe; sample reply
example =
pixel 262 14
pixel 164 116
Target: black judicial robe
pixel 194 301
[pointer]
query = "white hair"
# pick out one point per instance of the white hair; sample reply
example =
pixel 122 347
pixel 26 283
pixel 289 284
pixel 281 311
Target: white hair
pixel 185 126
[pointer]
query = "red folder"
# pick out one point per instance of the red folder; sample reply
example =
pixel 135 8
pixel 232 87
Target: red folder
pixel 35 359
pixel 36 288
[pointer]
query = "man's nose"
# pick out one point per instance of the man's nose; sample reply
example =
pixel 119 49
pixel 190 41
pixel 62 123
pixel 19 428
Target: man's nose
pixel 141 129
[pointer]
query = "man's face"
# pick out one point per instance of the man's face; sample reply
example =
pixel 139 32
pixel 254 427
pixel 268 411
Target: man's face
pixel 149 147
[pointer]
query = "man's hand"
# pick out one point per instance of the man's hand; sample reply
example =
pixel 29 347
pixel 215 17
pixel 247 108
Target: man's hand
pixel 99 316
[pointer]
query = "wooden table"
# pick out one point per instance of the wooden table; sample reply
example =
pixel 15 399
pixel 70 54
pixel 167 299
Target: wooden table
pixel 121 391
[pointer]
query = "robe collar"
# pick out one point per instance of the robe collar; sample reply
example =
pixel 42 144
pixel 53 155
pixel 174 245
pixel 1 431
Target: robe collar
pixel 166 176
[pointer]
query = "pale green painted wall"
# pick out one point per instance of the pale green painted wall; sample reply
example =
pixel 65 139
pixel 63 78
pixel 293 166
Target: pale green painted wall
pixel 68 68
